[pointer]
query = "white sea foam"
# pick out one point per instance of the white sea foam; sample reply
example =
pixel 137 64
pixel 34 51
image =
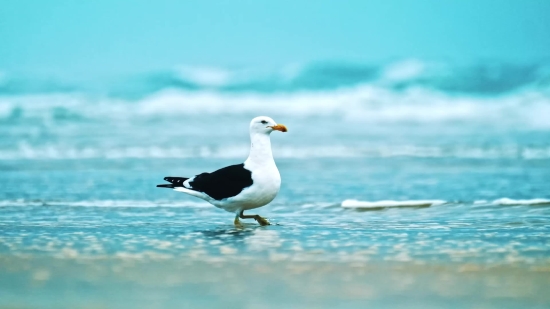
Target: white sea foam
pixel 509 201
pixel 39 124
pixel 390 203
pixel 356 204
pixel 367 103
pixel 26 151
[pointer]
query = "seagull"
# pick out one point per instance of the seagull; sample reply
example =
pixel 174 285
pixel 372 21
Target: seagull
pixel 239 187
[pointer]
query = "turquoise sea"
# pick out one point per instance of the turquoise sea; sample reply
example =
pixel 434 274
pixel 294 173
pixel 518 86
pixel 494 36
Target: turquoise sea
pixel 404 185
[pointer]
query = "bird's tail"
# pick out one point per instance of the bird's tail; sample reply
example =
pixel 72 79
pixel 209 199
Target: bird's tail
pixel 174 182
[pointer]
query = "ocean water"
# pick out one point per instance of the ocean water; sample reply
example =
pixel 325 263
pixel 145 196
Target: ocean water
pixel 408 184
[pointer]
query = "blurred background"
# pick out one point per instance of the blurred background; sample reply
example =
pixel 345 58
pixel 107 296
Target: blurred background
pixel 415 171
pixel 471 77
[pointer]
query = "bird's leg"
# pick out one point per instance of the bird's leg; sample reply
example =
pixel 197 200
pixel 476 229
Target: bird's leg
pixel 261 221
pixel 237 223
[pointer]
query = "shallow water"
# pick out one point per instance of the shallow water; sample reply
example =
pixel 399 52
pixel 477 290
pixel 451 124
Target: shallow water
pixel 79 239
pixel 392 196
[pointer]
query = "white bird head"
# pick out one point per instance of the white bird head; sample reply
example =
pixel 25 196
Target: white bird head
pixel 265 125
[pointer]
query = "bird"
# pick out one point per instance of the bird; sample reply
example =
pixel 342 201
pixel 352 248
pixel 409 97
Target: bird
pixel 240 187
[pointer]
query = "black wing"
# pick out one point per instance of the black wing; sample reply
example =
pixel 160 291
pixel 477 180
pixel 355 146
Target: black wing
pixel 223 183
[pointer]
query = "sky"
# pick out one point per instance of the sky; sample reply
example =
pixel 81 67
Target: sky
pixel 102 37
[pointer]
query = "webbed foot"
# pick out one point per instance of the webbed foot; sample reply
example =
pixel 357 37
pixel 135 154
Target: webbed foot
pixel 260 220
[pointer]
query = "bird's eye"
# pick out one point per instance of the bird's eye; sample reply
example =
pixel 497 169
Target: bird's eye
pixel 264 122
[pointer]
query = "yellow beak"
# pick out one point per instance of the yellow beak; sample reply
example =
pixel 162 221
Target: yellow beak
pixel 279 127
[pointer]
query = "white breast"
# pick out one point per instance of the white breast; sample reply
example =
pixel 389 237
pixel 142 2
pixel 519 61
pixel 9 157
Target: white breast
pixel 266 184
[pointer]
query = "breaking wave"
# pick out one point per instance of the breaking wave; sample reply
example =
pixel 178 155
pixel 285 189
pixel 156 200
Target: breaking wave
pixel 351 106
pixel 360 104
pixel 484 78
pixel 404 91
